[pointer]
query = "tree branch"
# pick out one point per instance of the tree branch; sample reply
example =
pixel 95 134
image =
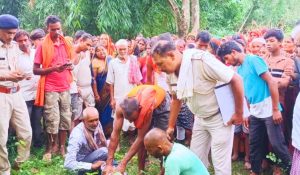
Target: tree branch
pixel 195 11
pixel 186 15
pixel 175 8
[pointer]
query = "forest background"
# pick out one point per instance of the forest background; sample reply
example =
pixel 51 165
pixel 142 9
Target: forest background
pixel 128 18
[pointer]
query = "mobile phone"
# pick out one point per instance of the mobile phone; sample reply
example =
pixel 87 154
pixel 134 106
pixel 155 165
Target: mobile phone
pixel 68 64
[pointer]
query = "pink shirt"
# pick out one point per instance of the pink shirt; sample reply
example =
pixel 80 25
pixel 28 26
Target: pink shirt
pixel 55 81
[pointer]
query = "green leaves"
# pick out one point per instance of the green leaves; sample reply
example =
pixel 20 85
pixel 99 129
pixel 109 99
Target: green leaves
pixel 127 18
pixel 21 143
pixel 114 17
pixel 12 7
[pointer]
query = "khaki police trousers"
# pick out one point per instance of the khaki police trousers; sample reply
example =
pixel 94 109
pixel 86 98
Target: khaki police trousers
pixel 211 133
pixel 13 112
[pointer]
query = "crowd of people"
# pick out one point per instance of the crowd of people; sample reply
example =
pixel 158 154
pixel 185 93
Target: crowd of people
pixel 83 93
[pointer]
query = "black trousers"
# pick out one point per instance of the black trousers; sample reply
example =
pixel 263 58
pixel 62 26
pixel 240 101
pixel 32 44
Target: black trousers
pixel 35 114
pixel 262 129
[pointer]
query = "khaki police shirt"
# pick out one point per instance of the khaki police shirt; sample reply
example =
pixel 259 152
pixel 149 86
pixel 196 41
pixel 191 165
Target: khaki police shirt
pixel 204 102
pixel 8 61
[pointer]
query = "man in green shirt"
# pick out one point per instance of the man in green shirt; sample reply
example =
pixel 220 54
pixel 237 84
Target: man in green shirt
pixel 177 159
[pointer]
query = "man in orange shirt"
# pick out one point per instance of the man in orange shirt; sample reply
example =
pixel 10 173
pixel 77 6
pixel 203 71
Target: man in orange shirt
pixel 147 106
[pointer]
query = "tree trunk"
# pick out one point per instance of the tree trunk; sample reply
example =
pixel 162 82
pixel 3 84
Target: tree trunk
pixel 31 3
pixel 182 16
pixel 195 14
pixel 186 17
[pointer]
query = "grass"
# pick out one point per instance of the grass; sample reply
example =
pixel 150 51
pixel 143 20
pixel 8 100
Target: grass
pixel 35 165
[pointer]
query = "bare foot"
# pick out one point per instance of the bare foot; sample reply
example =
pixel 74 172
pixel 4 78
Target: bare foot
pixel 234 157
pixel 265 164
pixel 277 170
pixel 62 151
pixel 55 149
pixel 247 165
pixel 47 157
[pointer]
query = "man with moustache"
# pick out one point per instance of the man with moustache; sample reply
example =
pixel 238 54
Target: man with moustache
pixel 87 148
pixel 52 62
pixel 13 107
pixel 28 86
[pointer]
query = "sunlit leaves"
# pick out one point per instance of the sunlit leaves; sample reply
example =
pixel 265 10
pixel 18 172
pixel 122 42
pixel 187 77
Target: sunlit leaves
pixel 127 18
pixel 114 17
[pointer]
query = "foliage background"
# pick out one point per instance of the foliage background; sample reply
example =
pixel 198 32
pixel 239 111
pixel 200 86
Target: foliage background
pixel 127 18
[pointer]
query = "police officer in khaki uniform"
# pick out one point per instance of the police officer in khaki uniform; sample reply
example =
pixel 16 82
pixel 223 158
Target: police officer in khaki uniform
pixel 12 103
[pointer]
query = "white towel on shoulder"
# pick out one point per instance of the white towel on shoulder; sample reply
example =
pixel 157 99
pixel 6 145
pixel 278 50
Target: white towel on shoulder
pixel 185 83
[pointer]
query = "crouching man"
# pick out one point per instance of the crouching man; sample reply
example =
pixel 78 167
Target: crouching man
pixel 87 149
pixel 147 106
pixel 178 159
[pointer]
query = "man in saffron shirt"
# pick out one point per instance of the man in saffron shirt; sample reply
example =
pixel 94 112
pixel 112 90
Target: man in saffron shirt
pixel 52 63
pixel 146 106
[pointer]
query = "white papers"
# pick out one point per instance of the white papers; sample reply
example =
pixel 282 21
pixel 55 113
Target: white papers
pixel 226 102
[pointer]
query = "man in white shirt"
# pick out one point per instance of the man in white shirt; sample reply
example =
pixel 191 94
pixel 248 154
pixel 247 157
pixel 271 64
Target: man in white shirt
pixel 87 148
pixel 118 77
pixel 198 72
pixel 83 74
pixel 28 86
pixel 76 110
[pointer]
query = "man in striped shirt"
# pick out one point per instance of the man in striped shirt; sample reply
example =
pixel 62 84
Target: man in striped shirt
pixel 277 62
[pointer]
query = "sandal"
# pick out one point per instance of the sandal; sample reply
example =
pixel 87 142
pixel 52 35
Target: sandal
pixel 47 157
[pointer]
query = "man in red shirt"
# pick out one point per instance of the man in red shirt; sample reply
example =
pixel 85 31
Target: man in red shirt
pixel 52 62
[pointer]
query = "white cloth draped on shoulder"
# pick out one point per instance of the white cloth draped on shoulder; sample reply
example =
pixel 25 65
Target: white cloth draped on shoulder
pixel 185 83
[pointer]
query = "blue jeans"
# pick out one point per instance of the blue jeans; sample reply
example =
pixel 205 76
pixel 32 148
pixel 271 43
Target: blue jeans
pixel 99 154
pixel 262 129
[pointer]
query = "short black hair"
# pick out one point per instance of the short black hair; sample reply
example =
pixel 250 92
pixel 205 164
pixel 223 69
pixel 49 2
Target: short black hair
pixel 86 36
pixel 165 36
pixel 21 33
pixel 51 19
pixel 240 41
pixel 214 46
pixel 145 41
pixel 203 36
pixel 226 48
pixel 37 34
pixel 78 34
pixel 162 47
pixel 277 33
